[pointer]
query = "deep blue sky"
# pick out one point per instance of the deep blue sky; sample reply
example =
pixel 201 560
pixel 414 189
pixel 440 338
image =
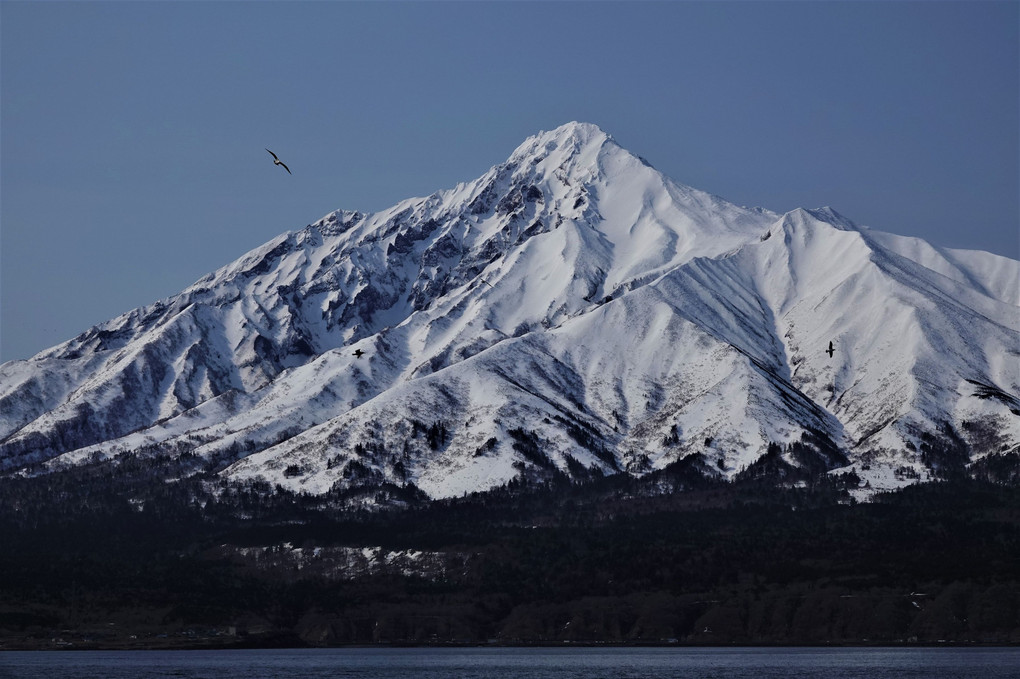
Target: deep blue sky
pixel 132 134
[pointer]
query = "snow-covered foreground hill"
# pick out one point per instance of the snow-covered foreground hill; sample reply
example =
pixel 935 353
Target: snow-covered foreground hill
pixel 571 309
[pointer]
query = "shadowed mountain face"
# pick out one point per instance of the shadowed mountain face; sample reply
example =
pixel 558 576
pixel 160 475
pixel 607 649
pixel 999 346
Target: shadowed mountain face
pixel 572 310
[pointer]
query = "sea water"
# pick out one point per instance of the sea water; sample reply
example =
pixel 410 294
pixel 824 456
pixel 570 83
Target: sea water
pixel 525 663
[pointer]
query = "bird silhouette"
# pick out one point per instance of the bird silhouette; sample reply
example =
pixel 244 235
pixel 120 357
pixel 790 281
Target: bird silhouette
pixel 359 353
pixel 830 351
pixel 277 161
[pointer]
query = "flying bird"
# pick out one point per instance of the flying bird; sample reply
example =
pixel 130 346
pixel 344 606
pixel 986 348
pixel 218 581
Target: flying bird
pixel 830 351
pixel 277 161
pixel 359 353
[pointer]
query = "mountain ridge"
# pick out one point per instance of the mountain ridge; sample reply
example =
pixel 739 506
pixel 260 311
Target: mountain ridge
pixel 582 263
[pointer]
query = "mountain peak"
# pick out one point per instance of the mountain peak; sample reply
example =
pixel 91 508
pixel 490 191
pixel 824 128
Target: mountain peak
pixel 574 132
pixel 579 131
pixel 571 140
pixel 572 308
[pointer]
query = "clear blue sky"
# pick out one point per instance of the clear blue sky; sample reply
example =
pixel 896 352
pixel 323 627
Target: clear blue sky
pixel 132 134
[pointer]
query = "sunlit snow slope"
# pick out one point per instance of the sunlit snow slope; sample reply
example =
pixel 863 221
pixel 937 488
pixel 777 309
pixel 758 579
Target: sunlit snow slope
pixel 572 309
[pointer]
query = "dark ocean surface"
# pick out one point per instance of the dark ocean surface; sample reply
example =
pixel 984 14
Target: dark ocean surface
pixel 528 663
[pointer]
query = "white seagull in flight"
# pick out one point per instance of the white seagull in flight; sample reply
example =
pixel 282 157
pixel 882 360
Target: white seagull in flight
pixel 277 161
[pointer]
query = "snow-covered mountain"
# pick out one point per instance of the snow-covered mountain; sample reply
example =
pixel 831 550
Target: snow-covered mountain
pixel 571 309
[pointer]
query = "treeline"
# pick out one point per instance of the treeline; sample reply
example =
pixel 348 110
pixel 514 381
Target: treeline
pixel 107 556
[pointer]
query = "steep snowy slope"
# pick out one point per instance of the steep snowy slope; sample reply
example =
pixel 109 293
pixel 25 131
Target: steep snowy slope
pixel 913 345
pixel 571 309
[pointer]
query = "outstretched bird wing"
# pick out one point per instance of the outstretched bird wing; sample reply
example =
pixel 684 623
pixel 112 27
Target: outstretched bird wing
pixel 277 161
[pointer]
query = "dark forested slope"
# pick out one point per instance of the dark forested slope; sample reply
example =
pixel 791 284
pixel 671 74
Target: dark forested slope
pixel 96 559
